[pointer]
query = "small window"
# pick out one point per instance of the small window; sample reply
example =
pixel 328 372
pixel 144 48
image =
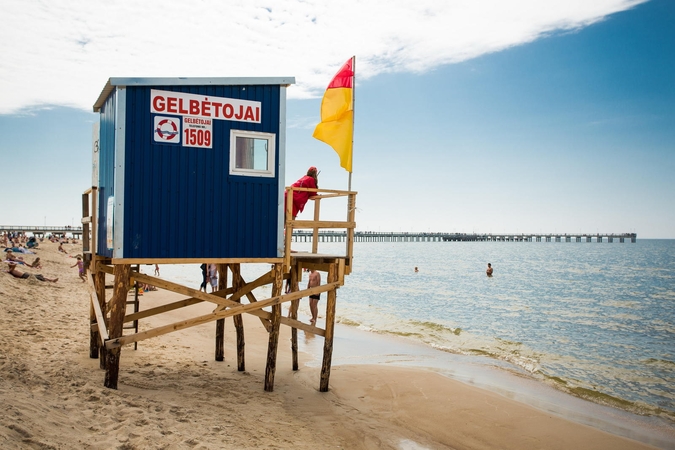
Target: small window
pixel 252 154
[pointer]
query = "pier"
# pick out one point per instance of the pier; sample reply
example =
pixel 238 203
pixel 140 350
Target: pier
pixel 392 236
pixel 40 231
pixel 389 236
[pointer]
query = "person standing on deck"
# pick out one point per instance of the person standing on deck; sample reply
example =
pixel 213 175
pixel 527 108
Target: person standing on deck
pixel 314 280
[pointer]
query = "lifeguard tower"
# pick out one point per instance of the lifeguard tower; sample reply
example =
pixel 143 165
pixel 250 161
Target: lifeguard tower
pixel 191 170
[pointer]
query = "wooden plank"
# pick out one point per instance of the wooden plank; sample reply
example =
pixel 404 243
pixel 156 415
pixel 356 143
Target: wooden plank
pixel 315 233
pixel 273 343
pixel 100 321
pixel 194 260
pixel 330 329
pixel 162 309
pixel 240 309
pixel 237 282
pixel 293 314
pixel 220 323
pixel 246 290
pixel 311 224
pixel 322 191
pixel 99 283
pixel 260 281
pixel 174 287
pixel 117 310
pixel 351 216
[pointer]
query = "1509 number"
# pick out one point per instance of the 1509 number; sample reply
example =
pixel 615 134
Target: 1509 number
pixel 197 137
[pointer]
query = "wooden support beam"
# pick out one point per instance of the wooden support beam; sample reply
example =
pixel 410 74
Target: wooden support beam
pixel 174 287
pixel 293 313
pixel 253 308
pixel 238 284
pixel 98 336
pixel 118 306
pixel 164 308
pixel 311 224
pixel 273 344
pixel 315 233
pixel 98 313
pixel 220 323
pixel 194 260
pixel 99 283
pixel 330 329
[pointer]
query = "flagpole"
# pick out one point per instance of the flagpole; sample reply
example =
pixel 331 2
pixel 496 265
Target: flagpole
pixel 349 186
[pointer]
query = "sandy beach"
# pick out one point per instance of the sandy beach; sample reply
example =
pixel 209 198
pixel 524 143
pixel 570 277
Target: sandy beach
pixel 173 394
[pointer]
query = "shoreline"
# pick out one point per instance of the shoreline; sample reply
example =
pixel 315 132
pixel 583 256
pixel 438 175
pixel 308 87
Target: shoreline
pixel 489 374
pixel 172 394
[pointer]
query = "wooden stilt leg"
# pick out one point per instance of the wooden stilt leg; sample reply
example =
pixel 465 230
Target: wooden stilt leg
pixel 118 306
pixel 99 282
pixel 271 367
pixel 293 314
pixel 238 320
pixel 330 328
pixel 220 323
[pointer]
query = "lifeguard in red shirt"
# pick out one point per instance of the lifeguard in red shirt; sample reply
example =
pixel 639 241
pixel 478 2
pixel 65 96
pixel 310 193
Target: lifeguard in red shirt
pixel 311 180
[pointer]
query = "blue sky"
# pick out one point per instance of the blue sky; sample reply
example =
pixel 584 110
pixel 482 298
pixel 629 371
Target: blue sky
pixel 515 120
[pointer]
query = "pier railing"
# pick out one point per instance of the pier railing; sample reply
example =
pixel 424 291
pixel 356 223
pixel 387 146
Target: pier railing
pixel 392 236
pixel 317 226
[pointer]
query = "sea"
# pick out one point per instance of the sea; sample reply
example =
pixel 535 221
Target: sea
pixel 593 320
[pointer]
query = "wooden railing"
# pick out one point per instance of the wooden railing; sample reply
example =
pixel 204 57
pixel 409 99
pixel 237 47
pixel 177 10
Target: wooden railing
pixel 89 220
pixel 317 224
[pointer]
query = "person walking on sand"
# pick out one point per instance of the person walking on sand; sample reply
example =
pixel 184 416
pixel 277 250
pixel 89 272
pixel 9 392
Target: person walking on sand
pixel 13 271
pixel 314 280
pixel 213 277
pixel 489 270
pixel 80 268
pixel 205 276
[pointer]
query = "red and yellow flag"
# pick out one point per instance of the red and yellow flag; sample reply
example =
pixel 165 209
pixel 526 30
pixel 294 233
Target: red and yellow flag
pixel 337 115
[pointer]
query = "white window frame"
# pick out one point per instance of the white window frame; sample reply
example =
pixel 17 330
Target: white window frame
pixel 271 152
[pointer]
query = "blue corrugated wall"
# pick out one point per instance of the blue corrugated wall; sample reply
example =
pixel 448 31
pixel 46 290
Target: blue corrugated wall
pixel 181 202
pixel 106 174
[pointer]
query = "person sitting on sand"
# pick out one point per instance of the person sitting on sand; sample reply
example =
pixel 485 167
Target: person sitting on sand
pixel 11 257
pixel 13 271
pixel 36 264
pixel 61 249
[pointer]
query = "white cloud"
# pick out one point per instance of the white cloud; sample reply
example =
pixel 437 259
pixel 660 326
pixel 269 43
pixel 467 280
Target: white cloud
pixel 63 52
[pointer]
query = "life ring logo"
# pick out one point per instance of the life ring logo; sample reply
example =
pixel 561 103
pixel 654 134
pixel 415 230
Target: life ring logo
pixel 167 130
